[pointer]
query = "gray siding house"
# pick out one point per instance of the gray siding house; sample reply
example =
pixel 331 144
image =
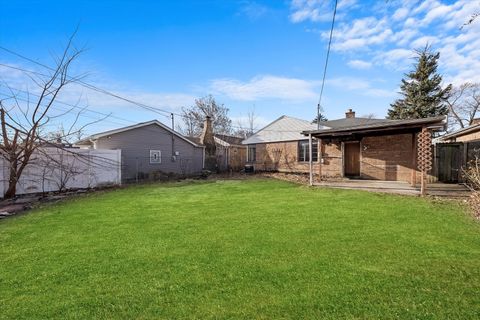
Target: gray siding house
pixel 149 148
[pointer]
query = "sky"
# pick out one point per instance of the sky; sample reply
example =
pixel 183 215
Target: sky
pixel 266 56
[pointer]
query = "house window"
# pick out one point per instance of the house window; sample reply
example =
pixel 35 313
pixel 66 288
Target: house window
pixel 252 153
pixel 303 151
pixel 155 156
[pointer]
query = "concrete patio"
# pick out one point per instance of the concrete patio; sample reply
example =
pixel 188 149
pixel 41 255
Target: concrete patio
pixel 399 187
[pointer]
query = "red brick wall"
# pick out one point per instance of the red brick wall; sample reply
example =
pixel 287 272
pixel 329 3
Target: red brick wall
pixel 387 157
pixel 332 158
pixel 281 156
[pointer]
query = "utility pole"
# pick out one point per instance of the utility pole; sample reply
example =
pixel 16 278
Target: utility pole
pixel 318 116
pixel 173 136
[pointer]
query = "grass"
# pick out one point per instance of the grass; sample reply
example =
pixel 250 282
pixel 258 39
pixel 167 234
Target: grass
pixel 255 249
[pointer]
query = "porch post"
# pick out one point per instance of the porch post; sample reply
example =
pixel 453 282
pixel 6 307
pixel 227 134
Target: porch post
pixel 424 157
pixel 310 162
pixel 319 142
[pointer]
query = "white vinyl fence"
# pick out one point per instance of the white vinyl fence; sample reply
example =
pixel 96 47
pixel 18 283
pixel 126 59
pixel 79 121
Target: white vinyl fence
pixel 56 169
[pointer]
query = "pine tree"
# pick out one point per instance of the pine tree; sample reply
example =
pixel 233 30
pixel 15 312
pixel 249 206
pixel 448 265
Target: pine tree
pixel 322 118
pixel 423 95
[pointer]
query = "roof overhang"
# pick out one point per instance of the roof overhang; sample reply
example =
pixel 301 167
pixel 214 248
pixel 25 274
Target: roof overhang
pixel 396 126
pixel 97 136
pixel 461 132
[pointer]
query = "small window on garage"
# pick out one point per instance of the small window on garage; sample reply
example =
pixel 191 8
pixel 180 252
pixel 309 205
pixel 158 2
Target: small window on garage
pixel 155 156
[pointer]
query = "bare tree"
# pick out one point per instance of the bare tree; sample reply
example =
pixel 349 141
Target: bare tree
pixel 464 104
pixel 247 127
pixel 59 166
pixel 24 125
pixel 194 117
pixel 369 116
pixel 471 20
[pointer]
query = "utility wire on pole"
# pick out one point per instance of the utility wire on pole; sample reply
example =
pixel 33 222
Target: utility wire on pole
pixel 319 105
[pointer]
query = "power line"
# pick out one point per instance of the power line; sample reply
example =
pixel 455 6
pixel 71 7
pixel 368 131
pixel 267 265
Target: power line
pixel 82 83
pixel 166 113
pixel 326 64
pixel 68 104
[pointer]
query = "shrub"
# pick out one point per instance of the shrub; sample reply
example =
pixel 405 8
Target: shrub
pixel 472 178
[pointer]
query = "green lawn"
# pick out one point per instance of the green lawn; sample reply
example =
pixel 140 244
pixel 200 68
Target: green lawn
pixel 254 249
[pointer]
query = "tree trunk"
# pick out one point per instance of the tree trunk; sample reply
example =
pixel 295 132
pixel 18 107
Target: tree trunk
pixel 12 185
pixel 12 180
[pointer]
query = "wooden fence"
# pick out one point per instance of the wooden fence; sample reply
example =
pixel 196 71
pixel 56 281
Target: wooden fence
pixel 451 158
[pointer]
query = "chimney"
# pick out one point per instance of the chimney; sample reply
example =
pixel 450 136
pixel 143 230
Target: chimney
pixel 206 138
pixel 350 114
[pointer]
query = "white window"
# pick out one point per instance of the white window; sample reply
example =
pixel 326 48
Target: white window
pixel 155 156
pixel 304 151
pixel 252 153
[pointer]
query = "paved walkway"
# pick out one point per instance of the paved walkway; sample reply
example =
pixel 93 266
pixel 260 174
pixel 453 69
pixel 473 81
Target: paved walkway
pixel 433 189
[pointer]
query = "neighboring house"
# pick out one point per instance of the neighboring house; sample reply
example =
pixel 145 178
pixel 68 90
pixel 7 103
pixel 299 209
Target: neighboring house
pixel 230 154
pixel 280 146
pixel 354 147
pixel 470 133
pixel 149 148
pixel 378 149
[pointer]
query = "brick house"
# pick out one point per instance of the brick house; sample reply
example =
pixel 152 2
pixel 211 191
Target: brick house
pixel 280 146
pixel 351 147
pixel 377 149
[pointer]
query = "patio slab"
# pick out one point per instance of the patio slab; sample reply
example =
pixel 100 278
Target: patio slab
pixel 399 187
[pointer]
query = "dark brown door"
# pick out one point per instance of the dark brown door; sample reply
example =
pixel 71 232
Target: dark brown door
pixel 352 159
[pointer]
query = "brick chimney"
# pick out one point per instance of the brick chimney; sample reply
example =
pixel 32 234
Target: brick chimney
pixel 206 138
pixel 350 114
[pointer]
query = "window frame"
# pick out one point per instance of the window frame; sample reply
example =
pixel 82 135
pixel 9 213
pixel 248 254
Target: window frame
pixel 249 153
pixel 152 159
pixel 303 147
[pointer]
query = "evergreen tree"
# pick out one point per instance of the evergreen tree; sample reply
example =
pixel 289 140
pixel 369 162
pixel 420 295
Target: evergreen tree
pixel 322 118
pixel 423 95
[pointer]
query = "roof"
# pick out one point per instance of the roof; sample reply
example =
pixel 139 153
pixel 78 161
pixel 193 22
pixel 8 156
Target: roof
pixel 378 125
pixel 135 126
pixel 195 140
pixel 231 140
pixel 284 128
pixel 461 132
pixel 223 139
pixel 350 122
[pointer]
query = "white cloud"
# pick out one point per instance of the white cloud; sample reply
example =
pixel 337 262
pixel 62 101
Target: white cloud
pixel 318 10
pixel 313 10
pixel 361 86
pixel 360 64
pixel 253 10
pixel 423 41
pixel 395 58
pixel 243 121
pixel 400 14
pixel 360 34
pixel 266 87
pixel 75 93
pixel 389 34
